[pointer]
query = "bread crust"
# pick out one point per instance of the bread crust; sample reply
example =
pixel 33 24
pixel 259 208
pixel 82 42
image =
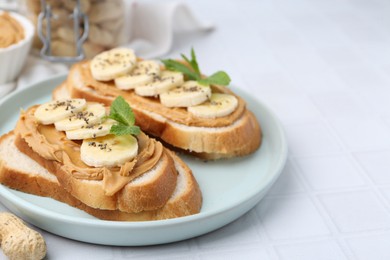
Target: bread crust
pixel 188 203
pixel 132 198
pixel 20 180
pixel 242 137
pixel 226 142
pixel 149 189
pixel 80 77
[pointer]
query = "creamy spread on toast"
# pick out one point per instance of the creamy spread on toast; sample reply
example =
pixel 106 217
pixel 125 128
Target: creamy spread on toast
pixel 52 144
pixel 178 114
pixel 21 169
pixel 97 159
pixel 174 102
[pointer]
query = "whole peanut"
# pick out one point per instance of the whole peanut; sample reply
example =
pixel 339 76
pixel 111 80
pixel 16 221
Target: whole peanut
pixel 19 241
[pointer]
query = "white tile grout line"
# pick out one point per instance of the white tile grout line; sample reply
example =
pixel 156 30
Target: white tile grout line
pixel 314 195
pixel 372 187
pixel 270 247
pixel 324 214
pixel 332 130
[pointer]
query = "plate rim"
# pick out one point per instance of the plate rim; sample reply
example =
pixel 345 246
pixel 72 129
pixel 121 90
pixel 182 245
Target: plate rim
pixel 20 202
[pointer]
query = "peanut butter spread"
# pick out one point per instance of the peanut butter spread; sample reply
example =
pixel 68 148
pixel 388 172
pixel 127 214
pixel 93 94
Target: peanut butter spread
pixel 11 31
pixel 51 144
pixel 178 115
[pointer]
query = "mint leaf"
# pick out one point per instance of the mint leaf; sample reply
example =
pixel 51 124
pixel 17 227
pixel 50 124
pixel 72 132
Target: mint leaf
pixel 180 67
pixel 121 129
pixel 186 59
pixel 218 78
pixel 121 112
pixel 193 73
pixel 194 62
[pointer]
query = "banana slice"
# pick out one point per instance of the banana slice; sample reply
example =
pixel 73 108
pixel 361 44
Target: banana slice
pixel 91 131
pixel 109 150
pixel 147 67
pixel 167 81
pixel 191 93
pixel 91 115
pixel 219 105
pixel 144 73
pixel 111 64
pixel 130 82
pixel 57 110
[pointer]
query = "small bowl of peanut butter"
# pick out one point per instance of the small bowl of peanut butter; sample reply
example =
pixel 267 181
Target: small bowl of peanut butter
pixel 15 42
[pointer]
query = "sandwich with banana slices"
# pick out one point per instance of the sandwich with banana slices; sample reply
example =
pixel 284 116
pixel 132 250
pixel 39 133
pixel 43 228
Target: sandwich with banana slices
pixel 94 158
pixel 172 100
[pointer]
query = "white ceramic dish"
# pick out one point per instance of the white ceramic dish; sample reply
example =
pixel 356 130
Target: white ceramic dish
pixel 13 58
pixel 230 188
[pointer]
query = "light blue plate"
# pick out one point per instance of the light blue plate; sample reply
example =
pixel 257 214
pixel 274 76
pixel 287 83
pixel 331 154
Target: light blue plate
pixel 230 188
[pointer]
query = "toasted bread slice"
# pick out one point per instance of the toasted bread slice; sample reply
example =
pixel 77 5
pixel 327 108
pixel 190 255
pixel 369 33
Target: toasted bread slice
pixel 150 189
pixel 237 134
pixel 20 172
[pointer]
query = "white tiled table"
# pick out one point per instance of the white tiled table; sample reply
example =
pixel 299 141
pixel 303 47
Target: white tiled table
pixel 323 66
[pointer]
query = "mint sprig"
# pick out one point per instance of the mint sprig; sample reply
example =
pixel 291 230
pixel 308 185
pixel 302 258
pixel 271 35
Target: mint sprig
pixel 121 112
pixel 193 72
